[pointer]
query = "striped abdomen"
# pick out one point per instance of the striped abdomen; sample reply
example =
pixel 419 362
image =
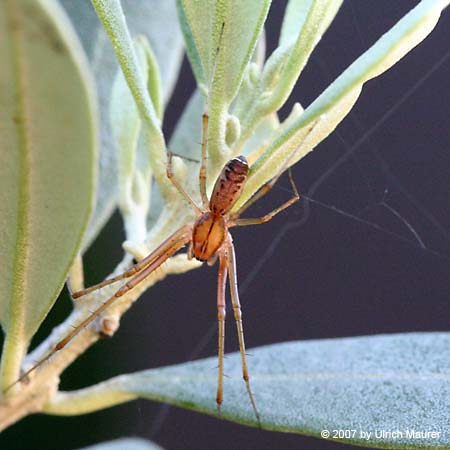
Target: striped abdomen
pixel 229 186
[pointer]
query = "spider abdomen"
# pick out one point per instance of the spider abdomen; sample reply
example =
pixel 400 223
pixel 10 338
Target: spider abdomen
pixel 229 185
pixel 207 236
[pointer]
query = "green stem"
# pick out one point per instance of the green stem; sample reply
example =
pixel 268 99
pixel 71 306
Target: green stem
pixel 91 399
pixel 15 344
pixel 14 350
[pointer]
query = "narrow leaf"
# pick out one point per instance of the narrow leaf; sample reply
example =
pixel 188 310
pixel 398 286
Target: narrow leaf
pixel 327 111
pixel 153 19
pixel 234 26
pixel 367 384
pixel 134 168
pixel 152 75
pixel 113 19
pixel 220 37
pixel 186 137
pixel 304 24
pixel 47 164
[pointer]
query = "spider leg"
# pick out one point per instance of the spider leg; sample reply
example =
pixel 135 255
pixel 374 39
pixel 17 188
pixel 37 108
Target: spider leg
pixel 177 240
pixel 221 313
pixel 202 172
pixel 269 216
pixel 231 264
pixel 177 184
pixel 190 252
pixel 205 120
pixel 168 243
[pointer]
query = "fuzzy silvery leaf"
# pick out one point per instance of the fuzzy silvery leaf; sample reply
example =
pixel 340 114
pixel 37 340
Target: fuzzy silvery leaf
pixel 367 384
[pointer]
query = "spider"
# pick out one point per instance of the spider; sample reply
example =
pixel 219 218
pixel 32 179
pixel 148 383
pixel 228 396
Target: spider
pixel 209 240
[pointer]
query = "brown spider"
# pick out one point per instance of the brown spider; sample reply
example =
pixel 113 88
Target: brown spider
pixel 209 239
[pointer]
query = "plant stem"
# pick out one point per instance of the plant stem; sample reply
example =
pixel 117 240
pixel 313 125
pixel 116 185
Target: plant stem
pixel 91 399
pixel 14 350
pixel 32 395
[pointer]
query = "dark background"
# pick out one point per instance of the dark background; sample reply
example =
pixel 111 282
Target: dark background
pixel 312 275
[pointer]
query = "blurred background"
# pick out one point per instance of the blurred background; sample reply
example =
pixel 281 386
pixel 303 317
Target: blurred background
pixel 370 257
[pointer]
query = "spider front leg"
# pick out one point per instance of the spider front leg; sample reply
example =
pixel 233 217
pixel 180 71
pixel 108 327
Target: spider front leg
pixel 202 173
pixel 177 184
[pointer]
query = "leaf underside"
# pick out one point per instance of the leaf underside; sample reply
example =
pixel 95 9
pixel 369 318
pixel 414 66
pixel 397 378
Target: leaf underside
pixel 372 383
pixel 125 443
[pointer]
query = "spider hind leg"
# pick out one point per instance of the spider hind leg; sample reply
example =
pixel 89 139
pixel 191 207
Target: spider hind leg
pixel 228 265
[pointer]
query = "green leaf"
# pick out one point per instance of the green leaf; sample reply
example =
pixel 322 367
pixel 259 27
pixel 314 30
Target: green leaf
pixel 261 136
pixel 158 22
pixel 202 26
pixel 113 19
pixel 304 23
pixel 367 384
pixel 186 138
pixel 152 75
pixel 47 165
pixel 220 39
pixel 134 167
pixel 184 142
pixel 327 111
pixel 125 444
